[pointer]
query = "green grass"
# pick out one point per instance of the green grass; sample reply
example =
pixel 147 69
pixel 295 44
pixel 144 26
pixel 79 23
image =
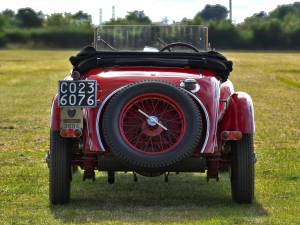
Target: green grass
pixel 28 80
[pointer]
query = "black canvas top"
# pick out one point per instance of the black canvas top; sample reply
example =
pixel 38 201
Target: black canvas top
pixel 88 58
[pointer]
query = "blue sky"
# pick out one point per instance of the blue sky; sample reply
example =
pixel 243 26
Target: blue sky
pixel 156 9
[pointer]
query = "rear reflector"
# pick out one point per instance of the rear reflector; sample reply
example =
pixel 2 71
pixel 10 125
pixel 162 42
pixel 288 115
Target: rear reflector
pixel 64 132
pixel 77 132
pixel 231 135
pixel 70 133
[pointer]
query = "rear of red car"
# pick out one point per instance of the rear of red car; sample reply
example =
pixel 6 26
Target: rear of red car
pixel 151 113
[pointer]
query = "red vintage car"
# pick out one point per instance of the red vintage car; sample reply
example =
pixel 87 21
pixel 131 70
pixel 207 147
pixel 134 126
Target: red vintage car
pixel 150 100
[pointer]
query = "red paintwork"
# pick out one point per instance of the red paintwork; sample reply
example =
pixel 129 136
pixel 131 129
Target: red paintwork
pixel 226 110
pixel 239 115
pixel 112 79
pixel 226 91
pixel 90 140
pixel 142 137
pixel 55 115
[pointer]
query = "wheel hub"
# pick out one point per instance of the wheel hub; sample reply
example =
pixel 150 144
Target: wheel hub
pixel 151 131
pixel 152 121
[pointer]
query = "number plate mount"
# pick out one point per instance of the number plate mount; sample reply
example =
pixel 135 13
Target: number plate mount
pixel 71 118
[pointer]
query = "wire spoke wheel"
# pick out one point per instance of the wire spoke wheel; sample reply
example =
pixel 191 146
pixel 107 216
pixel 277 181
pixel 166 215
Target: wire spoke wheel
pixel 151 125
pixel 149 137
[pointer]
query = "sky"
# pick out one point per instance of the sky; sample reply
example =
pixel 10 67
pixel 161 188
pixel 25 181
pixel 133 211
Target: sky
pixel 174 10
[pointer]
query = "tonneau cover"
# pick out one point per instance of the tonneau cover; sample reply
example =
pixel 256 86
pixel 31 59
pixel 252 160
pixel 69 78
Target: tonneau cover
pixel 88 58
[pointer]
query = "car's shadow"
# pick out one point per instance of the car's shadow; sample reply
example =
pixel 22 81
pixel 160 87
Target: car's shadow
pixel 186 197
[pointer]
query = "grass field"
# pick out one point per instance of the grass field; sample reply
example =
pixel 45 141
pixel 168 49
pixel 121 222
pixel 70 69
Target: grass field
pixel 28 80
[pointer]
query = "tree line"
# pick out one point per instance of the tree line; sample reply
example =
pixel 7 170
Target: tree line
pixel 276 30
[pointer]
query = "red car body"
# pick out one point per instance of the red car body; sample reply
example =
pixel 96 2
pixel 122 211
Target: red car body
pixel 227 122
pixel 225 109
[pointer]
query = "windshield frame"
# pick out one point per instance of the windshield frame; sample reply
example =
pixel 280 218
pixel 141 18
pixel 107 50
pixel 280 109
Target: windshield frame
pixel 203 44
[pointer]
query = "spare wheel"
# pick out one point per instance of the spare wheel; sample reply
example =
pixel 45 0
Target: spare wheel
pixel 151 125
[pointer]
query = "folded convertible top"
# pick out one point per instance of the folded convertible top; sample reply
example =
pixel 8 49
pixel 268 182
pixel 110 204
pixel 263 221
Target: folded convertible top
pixel 88 58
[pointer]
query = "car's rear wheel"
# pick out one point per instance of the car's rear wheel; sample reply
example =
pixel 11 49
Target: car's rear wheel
pixel 60 170
pixel 242 170
pixel 152 125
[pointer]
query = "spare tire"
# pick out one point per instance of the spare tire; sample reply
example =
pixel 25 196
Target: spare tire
pixel 151 125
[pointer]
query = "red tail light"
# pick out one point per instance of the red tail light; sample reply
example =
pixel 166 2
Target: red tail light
pixel 70 133
pixel 77 132
pixel 64 132
pixel 231 135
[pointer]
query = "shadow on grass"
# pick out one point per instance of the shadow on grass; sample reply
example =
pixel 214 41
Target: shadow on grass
pixel 186 197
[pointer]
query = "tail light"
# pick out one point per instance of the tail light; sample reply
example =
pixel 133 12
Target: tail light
pixel 231 135
pixel 70 133
pixel 77 132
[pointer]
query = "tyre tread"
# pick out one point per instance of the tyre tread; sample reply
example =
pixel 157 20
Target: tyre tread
pixel 242 177
pixel 60 169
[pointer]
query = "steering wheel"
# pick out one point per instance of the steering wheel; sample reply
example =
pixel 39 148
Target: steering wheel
pixel 178 44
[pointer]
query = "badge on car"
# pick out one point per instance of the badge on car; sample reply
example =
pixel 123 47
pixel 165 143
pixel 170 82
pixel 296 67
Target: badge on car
pixel 79 93
pixel 71 118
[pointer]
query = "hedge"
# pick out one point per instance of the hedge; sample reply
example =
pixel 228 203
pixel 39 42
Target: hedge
pixel 47 38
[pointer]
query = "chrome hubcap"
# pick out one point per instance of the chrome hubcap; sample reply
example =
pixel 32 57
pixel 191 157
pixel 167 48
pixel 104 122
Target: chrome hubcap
pixel 152 121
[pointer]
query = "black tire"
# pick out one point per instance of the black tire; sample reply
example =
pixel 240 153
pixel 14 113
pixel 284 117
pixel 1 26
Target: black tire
pixel 60 170
pixel 139 160
pixel 242 170
pixel 224 168
pixel 111 177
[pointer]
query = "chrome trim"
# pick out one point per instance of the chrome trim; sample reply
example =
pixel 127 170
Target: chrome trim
pixel 86 115
pixel 99 113
pixel 206 117
pixel 197 87
pixel 227 102
pixel 217 100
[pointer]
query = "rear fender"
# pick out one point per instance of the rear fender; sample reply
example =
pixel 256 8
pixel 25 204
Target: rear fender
pixel 240 114
pixel 55 115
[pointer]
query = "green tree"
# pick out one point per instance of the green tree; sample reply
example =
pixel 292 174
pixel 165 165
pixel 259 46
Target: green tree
pixel 57 20
pixel 81 16
pixel 7 18
pixel 284 10
pixel 78 21
pixel 28 18
pixel 132 18
pixel 8 13
pixel 213 12
pixel 261 14
pixel 138 17
pixel 82 20
pixel 2 22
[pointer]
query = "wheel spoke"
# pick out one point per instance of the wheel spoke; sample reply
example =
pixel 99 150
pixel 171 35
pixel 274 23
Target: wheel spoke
pixel 149 138
pixel 135 116
pixel 147 144
pixel 130 130
pixel 171 121
pixel 154 106
pixel 151 144
pixel 138 139
pixel 165 112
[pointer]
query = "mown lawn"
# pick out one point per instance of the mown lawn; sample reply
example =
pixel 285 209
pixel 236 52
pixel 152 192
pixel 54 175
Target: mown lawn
pixel 28 80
